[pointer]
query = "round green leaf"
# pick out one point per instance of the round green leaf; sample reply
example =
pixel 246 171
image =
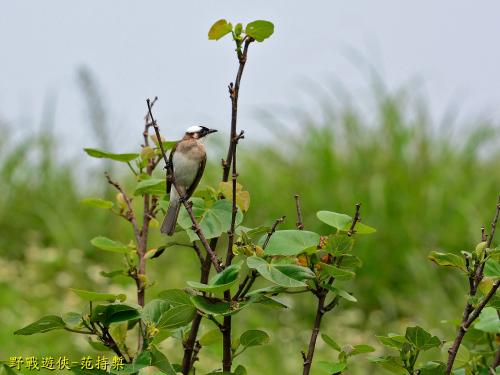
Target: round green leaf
pixel 213 220
pixel 488 321
pixel 220 282
pixel 260 30
pixel 332 367
pixel 97 202
pixel 421 339
pixel 114 313
pixel 211 337
pixel 107 244
pixel 343 222
pixel 177 316
pixel 219 29
pixel 492 268
pixel 290 242
pixel 338 273
pixel 156 186
pixel 153 311
pixel 254 337
pixel 175 297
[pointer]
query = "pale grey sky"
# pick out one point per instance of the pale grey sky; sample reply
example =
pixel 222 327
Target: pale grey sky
pixel 138 49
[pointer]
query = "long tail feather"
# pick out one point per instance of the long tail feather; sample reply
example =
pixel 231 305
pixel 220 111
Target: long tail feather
pixel 168 226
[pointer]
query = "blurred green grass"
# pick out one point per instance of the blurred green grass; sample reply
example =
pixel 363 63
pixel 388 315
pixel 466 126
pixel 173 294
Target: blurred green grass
pixel 423 185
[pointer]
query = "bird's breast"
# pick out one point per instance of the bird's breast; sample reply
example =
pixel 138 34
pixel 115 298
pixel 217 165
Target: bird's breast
pixel 185 168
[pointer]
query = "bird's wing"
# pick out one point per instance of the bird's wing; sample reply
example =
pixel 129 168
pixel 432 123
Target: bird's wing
pixel 197 179
pixel 170 160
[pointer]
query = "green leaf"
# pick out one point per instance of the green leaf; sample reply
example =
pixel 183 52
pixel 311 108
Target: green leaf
pixel 290 242
pixel 177 316
pixel 8 371
pixel 240 370
pixel 330 342
pixel 392 341
pixel 260 30
pixel 97 345
pixel 97 202
pixel 219 29
pixel 393 364
pixel 254 337
pixel 142 360
pixel 343 294
pixel 153 311
pixel 45 324
pixel 161 362
pixel 213 220
pixel 339 244
pixel 350 261
pixel 432 368
pixel 96 296
pixel 336 272
pixel 332 367
pixel 361 349
pixel 285 275
pixel 114 313
pixel 448 260
pixel 492 268
pixel 220 282
pixel 488 321
pixel 72 318
pixel 155 186
pixel 211 337
pixel 104 243
pixel 215 307
pixel 421 339
pixel 107 155
pixel 211 307
pixel 175 297
pixel 343 222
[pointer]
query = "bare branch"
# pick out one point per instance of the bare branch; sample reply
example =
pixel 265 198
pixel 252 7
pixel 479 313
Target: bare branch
pixel 355 219
pixel 300 225
pixel 130 215
pixel 272 230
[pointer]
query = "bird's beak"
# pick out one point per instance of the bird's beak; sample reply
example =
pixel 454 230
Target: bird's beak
pixel 209 131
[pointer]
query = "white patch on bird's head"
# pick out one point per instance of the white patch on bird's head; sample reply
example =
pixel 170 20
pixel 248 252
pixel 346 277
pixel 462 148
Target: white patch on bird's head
pixel 194 129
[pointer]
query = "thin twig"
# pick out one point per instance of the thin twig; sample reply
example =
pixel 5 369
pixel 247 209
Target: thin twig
pixel 234 211
pixel 300 225
pixel 130 216
pixel 272 230
pixel 320 311
pixel 148 123
pixel 196 227
pixel 355 219
pixel 234 90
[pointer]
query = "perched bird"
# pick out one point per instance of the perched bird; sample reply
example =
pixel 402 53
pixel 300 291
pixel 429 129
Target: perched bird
pixel 188 159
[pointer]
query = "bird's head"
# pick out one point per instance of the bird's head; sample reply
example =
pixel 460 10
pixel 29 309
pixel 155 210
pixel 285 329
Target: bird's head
pixel 197 132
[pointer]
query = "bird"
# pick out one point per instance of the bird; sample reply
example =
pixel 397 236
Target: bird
pixel 187 160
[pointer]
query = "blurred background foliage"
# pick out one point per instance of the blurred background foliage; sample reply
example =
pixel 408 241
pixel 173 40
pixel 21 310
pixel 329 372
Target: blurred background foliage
pixel 424 185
